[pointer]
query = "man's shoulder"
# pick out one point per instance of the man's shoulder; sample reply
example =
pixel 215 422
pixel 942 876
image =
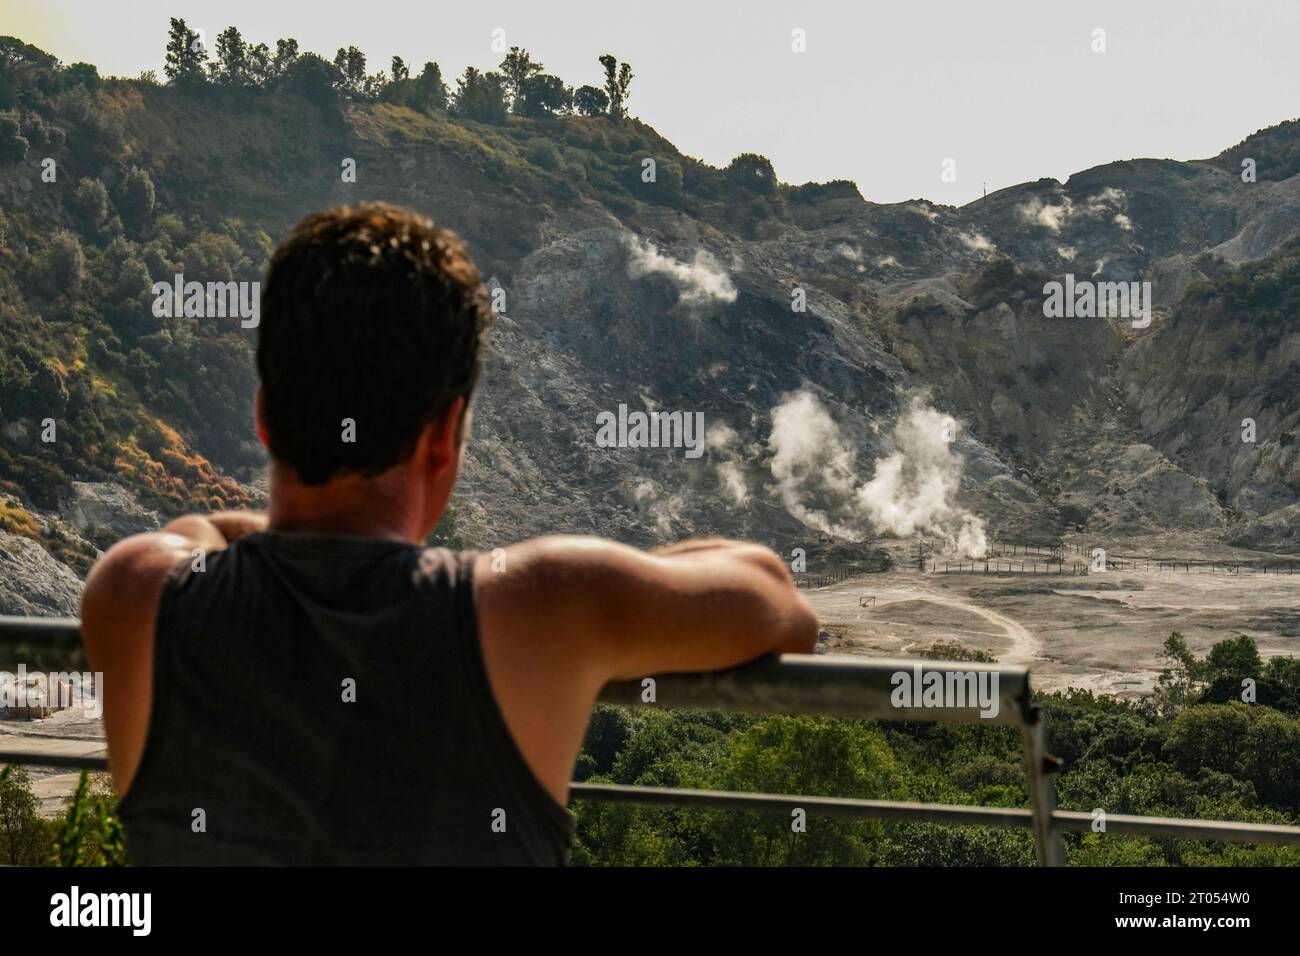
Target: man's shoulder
pixel 570 589
pixel 121 594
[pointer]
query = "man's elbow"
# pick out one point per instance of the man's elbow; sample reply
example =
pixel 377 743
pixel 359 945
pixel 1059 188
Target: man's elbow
pixel 795 626
pixel 801 627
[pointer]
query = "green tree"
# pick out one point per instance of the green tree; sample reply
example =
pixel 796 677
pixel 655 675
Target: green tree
pixel 753 172
pixel 20 830
pixel 1179 677
pixel 91 834
pixel 516 70
pixel 136 200
pixel 65 264
pixel 431 92
pixel 1284 674
pixel 286 54
pixel 1211 735
pixel 1271 758
pixel 351 64
pixel 185 55
pixel 590 101
pixel 89 200
pixel 399 70
pixel 13 144
pixel 80 74
pixel 804 755
pixel 544 95
pixel 481 96
pixel 231 68
pixel 314 79
pixel 260 72
pixel 618 82
pixel 1235 657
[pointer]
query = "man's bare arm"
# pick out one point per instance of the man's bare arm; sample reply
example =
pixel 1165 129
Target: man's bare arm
pixel 560 617
pixel 698 605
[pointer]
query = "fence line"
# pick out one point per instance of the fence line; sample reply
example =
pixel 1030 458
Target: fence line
pixel 826 579
pixel 999 551
pixel 1007 567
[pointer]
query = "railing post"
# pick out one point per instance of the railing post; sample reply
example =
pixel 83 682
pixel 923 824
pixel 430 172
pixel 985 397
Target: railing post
pixel 1039 768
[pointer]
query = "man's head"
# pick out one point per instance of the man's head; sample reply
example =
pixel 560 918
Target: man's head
pixel 370 344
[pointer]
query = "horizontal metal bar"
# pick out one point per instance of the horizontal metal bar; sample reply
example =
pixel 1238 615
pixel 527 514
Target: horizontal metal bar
pixel 945 813
pixel 772 803
pixel 826 684
pixel 62 632
pixel 831 685
pixel 1182 828
pixel 66 761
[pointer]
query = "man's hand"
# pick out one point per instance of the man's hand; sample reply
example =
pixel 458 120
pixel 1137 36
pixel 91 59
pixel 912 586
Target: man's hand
pixel 218 530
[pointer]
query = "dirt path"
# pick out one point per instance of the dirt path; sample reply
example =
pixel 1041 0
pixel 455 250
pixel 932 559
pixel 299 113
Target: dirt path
pixel 1025 647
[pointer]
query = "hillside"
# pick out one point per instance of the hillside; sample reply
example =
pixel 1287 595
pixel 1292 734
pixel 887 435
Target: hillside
pixel 672 294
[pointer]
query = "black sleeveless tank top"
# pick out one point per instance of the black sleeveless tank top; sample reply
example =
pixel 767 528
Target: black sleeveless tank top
pixel 323 700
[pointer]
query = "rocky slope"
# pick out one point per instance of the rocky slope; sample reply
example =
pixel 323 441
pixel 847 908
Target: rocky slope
pixel 677 296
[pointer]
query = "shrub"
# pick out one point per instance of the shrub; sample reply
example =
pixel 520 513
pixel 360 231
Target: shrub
pixel 89 202
pixel 136 199
pixel 64 264
pixel 753 172
pixel 13 144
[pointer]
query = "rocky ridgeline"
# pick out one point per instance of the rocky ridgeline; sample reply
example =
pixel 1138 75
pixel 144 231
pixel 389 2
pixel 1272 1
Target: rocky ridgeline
pixel 1065 423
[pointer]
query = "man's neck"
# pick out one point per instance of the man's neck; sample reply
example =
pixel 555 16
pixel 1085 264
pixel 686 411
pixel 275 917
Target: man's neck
pixel 384 506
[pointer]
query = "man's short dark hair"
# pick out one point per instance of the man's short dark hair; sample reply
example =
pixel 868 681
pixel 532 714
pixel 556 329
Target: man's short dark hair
pixel 373 314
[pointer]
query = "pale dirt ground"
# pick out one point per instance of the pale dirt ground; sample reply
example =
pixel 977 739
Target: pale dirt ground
pixel 68 732
pixel 1101 632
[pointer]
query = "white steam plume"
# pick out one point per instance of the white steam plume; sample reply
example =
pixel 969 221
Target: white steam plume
pixel 914 488
pixel 912 491
pixel 812 466
pixel 703 280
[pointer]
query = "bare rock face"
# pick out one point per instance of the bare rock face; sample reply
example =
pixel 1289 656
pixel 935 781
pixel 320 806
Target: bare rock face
pixel 1278 531
pixel 32 583
pixel 1135 490
pixel 108 507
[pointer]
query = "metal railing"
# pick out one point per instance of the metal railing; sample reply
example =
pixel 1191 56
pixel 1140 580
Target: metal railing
pixel 826 685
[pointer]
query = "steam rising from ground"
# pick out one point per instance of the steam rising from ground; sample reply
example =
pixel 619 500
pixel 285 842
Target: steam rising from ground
pixel 912 491
pixel 1054 216
pixel 722 441
pixel 813 467
pixel 702 280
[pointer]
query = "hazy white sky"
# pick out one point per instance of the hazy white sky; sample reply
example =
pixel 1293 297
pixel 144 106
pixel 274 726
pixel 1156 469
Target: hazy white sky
pixel 1010 89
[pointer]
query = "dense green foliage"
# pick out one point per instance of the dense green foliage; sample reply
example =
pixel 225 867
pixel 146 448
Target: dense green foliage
pixel 1266 290
pixel 1184 757
pixel 89 833
pixel 1275 150
pixel 1179 754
